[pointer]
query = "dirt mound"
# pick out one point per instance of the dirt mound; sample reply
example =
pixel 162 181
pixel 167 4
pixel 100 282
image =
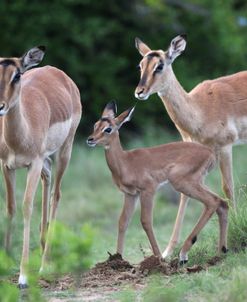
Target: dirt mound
pixel 115 271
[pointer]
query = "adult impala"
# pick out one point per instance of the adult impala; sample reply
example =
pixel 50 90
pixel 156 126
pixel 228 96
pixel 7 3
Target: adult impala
pixel 214 113
pixel 40 110
pixel 138 174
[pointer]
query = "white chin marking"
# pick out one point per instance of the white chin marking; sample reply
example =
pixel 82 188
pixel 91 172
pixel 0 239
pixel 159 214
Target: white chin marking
pixel 22 280
pixel 142 97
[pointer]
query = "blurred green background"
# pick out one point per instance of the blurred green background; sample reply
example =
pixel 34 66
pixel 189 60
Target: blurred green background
pixel 93 42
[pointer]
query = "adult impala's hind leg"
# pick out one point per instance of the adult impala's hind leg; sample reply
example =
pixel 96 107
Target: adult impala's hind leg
pixel 62 160
pixel 46 183
pixel 9 178
pixel 177 227
pixel 226 174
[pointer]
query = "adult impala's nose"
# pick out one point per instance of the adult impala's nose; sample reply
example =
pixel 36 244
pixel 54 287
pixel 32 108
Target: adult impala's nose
pixel 139 91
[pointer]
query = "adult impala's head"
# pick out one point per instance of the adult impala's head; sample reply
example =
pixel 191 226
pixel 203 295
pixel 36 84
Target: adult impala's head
pixel 108 124
pixel 11 70
pixel 154 66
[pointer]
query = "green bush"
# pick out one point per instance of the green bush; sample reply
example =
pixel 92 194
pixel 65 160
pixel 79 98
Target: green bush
pixel 70 252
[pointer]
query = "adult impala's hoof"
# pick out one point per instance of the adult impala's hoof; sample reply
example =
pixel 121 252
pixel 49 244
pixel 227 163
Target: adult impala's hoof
pixel 22 282
pixel 22 286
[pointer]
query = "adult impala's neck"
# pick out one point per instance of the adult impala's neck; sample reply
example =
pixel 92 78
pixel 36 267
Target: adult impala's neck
pixel 178 103
pixel 114 154
pixel 14 126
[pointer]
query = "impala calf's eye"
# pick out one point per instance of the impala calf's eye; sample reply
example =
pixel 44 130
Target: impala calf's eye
pixel 108 130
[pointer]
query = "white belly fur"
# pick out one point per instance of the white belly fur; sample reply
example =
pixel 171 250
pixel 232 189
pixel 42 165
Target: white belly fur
pixel 57 135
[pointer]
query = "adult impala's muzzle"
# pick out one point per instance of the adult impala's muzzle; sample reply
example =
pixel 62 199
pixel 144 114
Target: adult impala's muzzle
pixel 140 93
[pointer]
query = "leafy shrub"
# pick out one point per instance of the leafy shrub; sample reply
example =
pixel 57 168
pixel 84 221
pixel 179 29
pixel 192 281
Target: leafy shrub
pixel 70 252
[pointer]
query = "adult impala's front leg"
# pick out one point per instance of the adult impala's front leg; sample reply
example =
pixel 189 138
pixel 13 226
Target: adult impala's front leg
pixel 9 178
pixel 177 227
pixel 33 177
pixel 146 199
pixel 124 219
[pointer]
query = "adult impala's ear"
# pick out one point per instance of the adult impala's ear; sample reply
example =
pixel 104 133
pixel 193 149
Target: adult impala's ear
pixel 110 110
pixel 141 47
pixel 176 47
pixel 124 117
pixel 32 58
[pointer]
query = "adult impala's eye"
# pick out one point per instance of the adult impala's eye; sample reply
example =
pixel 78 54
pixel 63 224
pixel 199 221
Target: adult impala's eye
pixel 138 67
pixel 159 68
pixel 16 77
pixel 108 130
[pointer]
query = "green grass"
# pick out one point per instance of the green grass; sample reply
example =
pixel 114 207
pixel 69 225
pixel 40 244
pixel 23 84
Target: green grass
pixel 89 196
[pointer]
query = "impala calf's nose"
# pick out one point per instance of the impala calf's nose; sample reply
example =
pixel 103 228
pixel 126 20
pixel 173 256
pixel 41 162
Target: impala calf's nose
pixel 90 141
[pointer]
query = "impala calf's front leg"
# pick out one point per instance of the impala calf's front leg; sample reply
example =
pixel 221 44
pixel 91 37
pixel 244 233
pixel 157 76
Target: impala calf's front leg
pixel 124 219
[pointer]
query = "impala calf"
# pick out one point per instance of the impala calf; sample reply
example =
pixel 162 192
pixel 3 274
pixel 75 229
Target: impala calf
pixel 214 113
pixel 138 173
pixel 40 110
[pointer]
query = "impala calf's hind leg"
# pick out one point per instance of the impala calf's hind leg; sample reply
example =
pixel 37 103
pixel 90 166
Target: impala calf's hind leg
pixel 146 199
pixel 211 203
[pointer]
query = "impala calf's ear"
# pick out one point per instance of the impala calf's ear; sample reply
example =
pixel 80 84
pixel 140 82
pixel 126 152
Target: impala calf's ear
pixel 110 110
pixel 141 47
pixel 176 47
pixel 124 117
pixel 32 57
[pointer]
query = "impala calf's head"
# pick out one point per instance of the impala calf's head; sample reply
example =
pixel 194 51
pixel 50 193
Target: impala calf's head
pixel 108 125
pixel 154 66
pixel 11 70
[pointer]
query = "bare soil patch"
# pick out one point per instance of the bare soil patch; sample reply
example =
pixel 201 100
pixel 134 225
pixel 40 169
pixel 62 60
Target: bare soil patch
pixel 115 271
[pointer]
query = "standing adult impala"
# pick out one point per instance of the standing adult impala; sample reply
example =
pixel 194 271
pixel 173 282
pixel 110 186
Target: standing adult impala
pixel 214 113
pixel 40 110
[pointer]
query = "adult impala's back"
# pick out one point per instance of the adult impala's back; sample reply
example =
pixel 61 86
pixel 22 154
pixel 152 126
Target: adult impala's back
pixel 40 110
pixel 214 113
